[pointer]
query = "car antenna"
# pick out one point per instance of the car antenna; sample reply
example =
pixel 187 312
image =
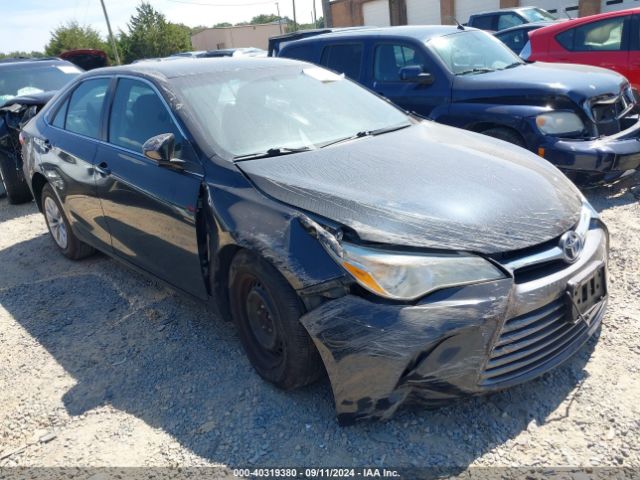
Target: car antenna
pixel 460 26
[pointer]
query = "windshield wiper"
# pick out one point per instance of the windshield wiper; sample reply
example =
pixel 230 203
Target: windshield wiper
pixel 476 70
pixel 272 152
pixel 512 65
pixel 367 133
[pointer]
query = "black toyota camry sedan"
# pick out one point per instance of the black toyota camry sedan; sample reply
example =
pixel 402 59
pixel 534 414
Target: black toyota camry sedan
pixel 408 260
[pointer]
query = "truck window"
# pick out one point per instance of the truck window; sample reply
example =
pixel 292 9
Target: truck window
pixel 299 52
pixel 389 59
pixel 344 58
pixel 483 22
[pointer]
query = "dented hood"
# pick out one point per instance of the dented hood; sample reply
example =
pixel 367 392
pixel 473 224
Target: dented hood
pixel 428 185
pixel 535 82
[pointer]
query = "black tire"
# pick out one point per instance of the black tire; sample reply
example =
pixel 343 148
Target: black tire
pixel 14 182
pixel 278 346
pixel 72 248
pixel 505 134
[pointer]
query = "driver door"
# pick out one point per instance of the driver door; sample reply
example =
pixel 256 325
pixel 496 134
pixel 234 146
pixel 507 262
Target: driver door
pixel 388 59
pixel 150 210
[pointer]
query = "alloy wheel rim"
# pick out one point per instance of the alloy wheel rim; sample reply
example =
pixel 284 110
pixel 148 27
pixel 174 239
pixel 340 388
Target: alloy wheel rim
pixel 56 223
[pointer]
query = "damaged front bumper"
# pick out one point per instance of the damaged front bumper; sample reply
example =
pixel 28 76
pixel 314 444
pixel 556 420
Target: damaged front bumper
pixel 380 355
pixel 602 160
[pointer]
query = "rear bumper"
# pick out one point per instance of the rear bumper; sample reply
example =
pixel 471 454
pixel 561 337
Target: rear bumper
pixel 379 356
pixel 596 161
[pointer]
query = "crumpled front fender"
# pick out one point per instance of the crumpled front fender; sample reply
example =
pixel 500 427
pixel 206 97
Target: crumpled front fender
pixel 379 355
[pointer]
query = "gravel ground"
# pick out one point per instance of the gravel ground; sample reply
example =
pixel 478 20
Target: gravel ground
pixel 100 366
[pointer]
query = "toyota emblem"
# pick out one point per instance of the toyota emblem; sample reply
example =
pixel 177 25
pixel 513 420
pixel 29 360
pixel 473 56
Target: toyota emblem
pixel 571 245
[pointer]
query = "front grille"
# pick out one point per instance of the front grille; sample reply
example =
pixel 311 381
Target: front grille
pixel 533 343
pixel 609 114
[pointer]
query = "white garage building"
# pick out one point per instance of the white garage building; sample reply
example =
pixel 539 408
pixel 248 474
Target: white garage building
pixel 432 12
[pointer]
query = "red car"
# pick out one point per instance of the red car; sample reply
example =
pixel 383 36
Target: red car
pixel 610 40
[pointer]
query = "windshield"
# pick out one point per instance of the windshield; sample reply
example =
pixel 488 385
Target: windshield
pixel 29 79
pixel 536 15
pixel 252 111
pixel 472 52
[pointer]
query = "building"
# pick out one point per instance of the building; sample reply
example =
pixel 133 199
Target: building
pixel 347 13
pixel 236 37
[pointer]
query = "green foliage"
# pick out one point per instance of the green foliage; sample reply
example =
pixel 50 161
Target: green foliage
pixel 222 24
pixel 150 35
pixel 71 36
pixel 33 54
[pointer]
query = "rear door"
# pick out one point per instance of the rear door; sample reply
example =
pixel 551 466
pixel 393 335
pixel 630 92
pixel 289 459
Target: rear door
pixel 603 43
pixel 150 210
pixel 389 57
pixel 73 133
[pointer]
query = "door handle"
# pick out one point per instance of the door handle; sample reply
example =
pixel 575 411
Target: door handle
pixel 103 168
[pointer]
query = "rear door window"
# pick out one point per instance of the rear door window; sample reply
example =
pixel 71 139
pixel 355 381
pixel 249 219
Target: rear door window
pixel 84 112
pixel 484 22
pixel 138 114
pixel 343 58
pixel 515 40
pixel 603 35
pixel 389 59
pixel 299 52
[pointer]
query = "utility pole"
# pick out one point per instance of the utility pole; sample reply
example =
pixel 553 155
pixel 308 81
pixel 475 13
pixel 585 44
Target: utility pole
pixel 295 22
pixel 279 17
pixel 315 15
pixel 113 40
pixel 326 13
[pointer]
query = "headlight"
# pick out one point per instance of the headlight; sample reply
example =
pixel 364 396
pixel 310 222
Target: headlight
pixel 408 276
pixel 558 123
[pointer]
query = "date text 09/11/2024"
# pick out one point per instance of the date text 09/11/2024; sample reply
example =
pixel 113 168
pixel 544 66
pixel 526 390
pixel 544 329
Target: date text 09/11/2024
pixel 316 473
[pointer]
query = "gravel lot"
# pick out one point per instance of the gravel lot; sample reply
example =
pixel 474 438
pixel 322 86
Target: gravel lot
pixel 101 367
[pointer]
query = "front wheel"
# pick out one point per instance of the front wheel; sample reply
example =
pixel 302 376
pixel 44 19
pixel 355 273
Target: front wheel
pixel 267 311
pixel 59 228
pixel 505 134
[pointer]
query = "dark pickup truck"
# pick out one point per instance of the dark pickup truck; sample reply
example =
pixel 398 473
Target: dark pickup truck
pixel 582 119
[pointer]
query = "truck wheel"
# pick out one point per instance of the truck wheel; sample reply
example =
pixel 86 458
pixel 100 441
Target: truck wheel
pixel 267 311
pixel 60 229
pixel 13 181
pixel 505 134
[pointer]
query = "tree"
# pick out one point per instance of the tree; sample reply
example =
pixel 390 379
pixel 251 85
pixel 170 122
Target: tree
pixel 264 18
pixel 222 24
pixel 71 36
pixel 150 35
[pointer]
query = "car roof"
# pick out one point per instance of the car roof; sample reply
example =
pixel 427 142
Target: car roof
pixel 186 66
pixel 12 62
pixel 418 32
pixel 526 26
pixel 574 22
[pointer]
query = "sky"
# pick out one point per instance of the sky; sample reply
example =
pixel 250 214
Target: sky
pixel 26 24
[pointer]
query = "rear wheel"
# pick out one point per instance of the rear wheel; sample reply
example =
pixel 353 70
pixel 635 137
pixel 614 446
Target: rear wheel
pixel 267 313
pixel 60 229
pixel 505 134
pixel 13 181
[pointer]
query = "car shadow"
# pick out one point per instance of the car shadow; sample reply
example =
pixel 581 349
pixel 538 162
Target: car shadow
pixel 9 211
pixel 625 192
pixel 167 360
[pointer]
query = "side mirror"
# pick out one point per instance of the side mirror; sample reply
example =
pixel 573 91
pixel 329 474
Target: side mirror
pixel 414 74
pixel 161 149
